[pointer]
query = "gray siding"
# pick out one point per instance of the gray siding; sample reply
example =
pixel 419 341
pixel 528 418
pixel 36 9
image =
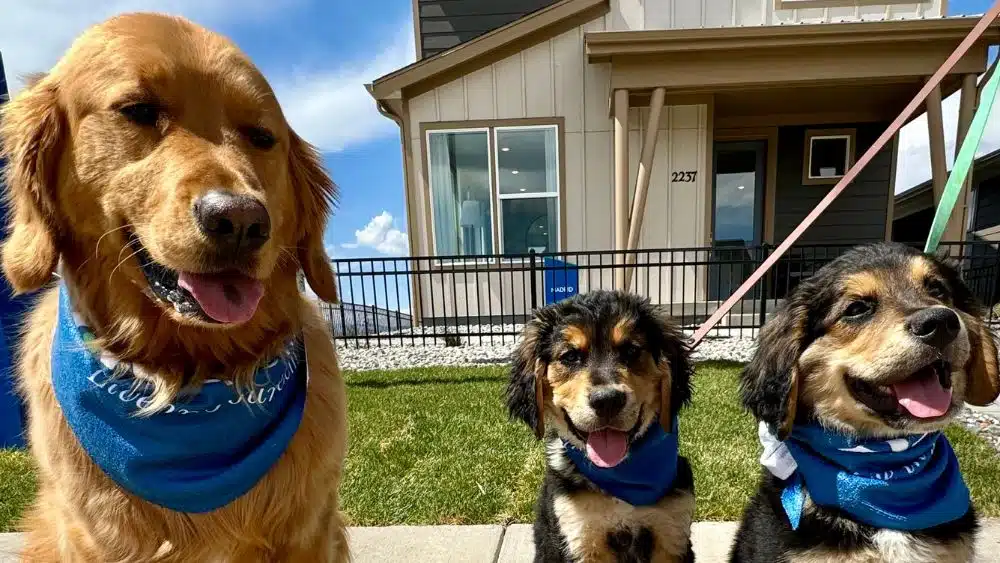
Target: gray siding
pixel 987 197
pixel 858 215
pixel 447 23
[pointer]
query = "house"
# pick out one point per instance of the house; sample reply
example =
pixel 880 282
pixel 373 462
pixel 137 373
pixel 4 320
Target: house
pixel 584 126
pixel 915 206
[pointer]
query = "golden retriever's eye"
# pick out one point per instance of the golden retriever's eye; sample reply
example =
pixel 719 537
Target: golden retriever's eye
pixel 571 357
pixel 259 137
pixel 142 113
pixel 629 352
pixel 859 309
pixel 936 289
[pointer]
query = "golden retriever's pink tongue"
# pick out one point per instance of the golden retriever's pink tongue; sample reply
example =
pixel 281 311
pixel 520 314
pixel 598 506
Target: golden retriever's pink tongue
pixel 227 298
pixel 923 397
pixel 606 448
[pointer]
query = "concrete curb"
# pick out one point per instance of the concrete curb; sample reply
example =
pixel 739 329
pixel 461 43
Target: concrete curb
pixel 513 544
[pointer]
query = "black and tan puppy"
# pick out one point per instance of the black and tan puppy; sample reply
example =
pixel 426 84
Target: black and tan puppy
pixel 600 377
pixel 852 382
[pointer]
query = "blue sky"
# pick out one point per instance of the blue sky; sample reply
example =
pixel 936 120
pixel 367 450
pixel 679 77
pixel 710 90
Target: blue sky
pixel 318 54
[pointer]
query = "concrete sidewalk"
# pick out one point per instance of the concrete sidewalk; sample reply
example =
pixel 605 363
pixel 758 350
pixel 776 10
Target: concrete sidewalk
pixel 513 544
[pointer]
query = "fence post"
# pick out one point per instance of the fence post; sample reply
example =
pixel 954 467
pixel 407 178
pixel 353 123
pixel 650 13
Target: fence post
pixel 533 283
pixel 995 270
pixel 764 249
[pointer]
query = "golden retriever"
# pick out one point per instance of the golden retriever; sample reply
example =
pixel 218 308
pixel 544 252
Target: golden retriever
pixel 155 168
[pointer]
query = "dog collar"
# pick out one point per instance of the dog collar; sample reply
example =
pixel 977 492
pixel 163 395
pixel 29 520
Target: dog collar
pixel 200 452
pixel 910 483
pixel 645 475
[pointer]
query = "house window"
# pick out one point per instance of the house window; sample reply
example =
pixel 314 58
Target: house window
pixel 828 155
pixel 494 188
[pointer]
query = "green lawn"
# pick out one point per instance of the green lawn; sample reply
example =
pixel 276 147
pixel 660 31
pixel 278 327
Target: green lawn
pixel 434 446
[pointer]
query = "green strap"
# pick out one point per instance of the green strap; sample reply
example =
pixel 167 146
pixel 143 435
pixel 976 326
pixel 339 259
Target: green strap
pixel 963 161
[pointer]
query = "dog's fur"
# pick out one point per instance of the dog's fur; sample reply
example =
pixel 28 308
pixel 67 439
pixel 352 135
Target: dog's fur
pixel 809 360
pixel 618 341
pixel 84 177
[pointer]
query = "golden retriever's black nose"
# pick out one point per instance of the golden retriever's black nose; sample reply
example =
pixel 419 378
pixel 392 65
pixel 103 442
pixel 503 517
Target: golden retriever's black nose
pixel 936 326
pixel 237 223
pixel 607 402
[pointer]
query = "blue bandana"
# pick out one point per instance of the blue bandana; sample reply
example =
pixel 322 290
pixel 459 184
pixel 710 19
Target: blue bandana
pixel 646 473
pixel 199 453
pixel 910 483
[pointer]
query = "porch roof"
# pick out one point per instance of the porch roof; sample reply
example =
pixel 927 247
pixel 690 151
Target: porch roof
pixel 863 71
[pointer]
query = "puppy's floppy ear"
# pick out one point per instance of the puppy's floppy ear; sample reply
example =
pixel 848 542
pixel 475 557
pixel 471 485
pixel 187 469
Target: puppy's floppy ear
pixel 983 385
pixel 316 195
pixel 32 129
pixel 769 384
pixel 672 357
pixel 527 387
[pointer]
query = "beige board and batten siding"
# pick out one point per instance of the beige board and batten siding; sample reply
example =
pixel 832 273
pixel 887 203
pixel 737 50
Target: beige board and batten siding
pixel 553 79
pixel 633 15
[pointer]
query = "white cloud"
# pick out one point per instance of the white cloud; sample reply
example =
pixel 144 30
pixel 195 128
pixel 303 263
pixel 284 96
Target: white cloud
pixel 913 165
pixel 331 108
pixel 328 106
pixel 381 235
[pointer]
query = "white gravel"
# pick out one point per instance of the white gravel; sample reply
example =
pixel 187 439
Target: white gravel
pixel 406 353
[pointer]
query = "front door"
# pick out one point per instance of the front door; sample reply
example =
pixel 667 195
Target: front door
pixel 737 214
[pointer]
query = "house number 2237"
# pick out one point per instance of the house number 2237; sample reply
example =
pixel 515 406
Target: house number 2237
pixel 684 176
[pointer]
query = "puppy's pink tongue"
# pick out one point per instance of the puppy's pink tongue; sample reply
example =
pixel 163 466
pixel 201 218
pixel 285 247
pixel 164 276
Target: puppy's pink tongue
pixel 227 298
pixel 607 448
pixel 923 397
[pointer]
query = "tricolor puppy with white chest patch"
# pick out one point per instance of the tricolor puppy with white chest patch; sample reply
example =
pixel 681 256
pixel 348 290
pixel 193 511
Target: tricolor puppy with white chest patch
pixel 601 377
pixel 852 383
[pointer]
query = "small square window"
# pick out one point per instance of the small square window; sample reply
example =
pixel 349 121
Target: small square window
pixel 828 155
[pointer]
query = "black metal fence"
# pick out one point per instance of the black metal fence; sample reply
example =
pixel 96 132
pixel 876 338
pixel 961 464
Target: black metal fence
pixel 484 300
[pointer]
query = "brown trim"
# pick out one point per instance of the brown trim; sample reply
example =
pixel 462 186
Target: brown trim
pixel 709 175
pixel 770 135
pixel 416 30
pixel 602 46
pixel 890 206
pixel 966 108
pixel 807 4
pixel 491 124
pixel 490 47
pixel 852 145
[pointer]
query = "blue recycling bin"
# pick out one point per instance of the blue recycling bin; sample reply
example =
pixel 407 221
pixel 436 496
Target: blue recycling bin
pixel 562 280
pixel 12 311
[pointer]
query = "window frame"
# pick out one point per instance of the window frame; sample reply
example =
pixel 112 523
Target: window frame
pixel 491 127
pixel 812 134
pixel 430 190
pixel 557 195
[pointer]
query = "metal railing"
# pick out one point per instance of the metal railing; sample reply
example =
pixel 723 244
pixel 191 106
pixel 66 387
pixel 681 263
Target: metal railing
pixel 484 300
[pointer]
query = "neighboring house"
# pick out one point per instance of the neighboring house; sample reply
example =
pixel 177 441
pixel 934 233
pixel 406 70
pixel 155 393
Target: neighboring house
pixel 915 206
pixel 980 214
pixel 732 118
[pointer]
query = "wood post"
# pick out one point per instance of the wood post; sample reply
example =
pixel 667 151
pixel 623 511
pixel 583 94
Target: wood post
pixel 642 176
pixel 620 201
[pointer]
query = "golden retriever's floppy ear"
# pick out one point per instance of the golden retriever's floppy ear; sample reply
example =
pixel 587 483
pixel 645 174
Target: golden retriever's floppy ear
pixel 527 387
pixel 32 127
pixel 983 385
pixel 769 384
pixel 316 195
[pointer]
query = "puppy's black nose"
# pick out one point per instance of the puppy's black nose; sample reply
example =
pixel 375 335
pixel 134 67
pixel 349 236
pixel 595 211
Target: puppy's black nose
pixel 936 326
pixel 238 223
pixel 607 402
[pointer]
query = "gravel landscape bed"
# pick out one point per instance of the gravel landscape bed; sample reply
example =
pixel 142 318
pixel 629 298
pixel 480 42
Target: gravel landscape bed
pixel 407 353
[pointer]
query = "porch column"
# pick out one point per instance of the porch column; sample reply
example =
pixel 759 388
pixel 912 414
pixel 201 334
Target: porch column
pixel 621 182
pixel 642 176
pixel 966 108
pixel 935 135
